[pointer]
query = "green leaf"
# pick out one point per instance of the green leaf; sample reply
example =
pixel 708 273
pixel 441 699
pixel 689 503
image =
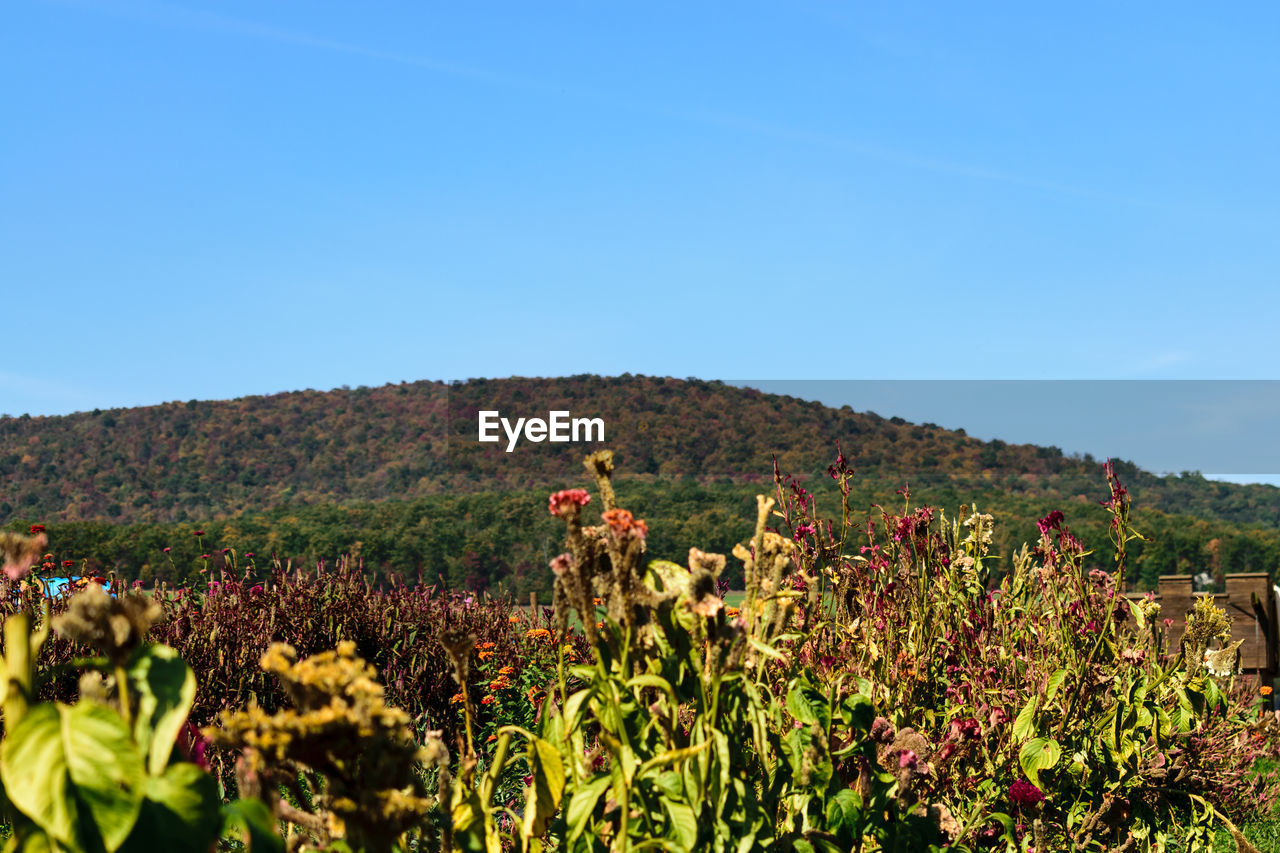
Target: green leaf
pixel 543 797
pixel 105 767
pixel 166 689
pixel 844 816
pixel 683 823
pixel 809 706
pixel 1055 682
pixel 33 767
pixel 1024 726
pixel 251 822
pixel 181 812
pixel 582 804
pixel 1038 754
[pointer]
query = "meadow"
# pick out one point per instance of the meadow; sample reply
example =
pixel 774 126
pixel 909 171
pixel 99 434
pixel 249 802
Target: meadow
pixel 879 682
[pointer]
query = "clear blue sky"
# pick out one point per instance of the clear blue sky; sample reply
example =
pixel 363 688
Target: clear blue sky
pixel 214 200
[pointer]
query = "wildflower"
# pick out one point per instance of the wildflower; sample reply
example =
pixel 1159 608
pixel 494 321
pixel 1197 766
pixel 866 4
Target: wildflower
pixel 597 601
pixel 731 612
pixel 456 698
pixel 507 670
pixel 487 645
pixel 197 533
pixel 248 555
pixel 167 550
pixel 513 619
pixel 1052 521
pixel 226 550
pixel 204 556
pixel 491 738
pixel 37 528
pixel 1023 793
pixel 66 564
pixel 538 634
pixel 1266 690
pixel 624 525
pixel 256 589
pixel 561 564
pixel 488 700
pixel 484 655
pixel 137 584
pixel 568 502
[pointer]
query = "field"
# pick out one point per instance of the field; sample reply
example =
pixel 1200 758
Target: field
pixel 876 683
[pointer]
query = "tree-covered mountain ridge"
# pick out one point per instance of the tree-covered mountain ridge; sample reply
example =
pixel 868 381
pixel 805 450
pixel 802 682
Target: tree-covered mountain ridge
pixel 212 459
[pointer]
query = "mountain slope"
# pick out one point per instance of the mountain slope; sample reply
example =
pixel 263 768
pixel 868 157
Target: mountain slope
pixel 204 460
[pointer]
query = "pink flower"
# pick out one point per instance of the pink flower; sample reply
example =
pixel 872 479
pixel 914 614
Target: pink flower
pixel 561 564
pixel 568 501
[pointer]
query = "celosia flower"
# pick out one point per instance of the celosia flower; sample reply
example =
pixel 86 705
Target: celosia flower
pixel 567 502
pixel 1023 793
pixel 624 525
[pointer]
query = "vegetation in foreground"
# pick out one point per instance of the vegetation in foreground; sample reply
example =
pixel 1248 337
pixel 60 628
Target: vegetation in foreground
pixel 877 689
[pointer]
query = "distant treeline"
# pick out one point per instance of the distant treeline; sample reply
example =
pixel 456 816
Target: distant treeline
pixel 504 541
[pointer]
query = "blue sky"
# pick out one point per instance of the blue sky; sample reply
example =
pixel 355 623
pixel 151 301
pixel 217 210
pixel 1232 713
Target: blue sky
pixel 209 201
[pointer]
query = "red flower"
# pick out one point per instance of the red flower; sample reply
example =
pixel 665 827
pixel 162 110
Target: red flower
pixel 167 550
pixel 248 555
pixel 567 501
pixel 624 526
pixel 66 564
pixel 37 528
pixel 1023 793
pixel 204 556
pixel 197 533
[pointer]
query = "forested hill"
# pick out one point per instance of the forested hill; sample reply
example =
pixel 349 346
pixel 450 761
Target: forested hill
pixel 202 460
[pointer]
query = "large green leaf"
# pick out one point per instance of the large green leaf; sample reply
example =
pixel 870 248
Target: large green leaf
pixel 582 804
pixel 166 689
pixel 61 761
pixel 33 767
pixel 180 812
pixel 1038 754
pixel 809 706
pixel 683 823
pixel 1024 726
pixel 844 816
pixel 105 767
pixel 543 797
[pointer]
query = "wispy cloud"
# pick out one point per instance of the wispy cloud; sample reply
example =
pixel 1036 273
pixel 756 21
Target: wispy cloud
pixel 167 14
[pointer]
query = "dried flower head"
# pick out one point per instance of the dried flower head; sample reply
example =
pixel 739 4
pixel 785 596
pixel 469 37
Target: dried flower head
pixel 113 626
pixel 19 553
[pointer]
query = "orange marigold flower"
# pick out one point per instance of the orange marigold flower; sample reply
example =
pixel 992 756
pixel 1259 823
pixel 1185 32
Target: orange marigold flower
pixel 538 634
pixel 488 700
pixel 484 655
pixel 731 612
pixel 457 697
pixel 491 738
pixel 499 684
pixel 487 645
pixel 597 601
pixel 513 619
pixel 1265 690
pixel 507 670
